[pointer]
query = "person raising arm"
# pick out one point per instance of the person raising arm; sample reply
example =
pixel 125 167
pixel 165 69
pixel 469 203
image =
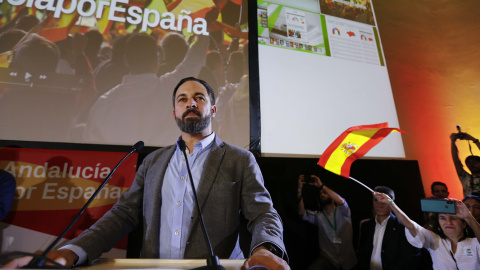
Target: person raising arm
pixel 448 242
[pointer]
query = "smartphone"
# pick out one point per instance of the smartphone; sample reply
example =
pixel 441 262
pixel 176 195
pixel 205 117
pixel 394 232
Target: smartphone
pixel 438 206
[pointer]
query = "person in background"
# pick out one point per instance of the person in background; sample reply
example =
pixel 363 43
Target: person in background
pixel 175 49
pixel 473 205
pixel 447 241
pixel 92 49
pixel 470 181
pixel 382 243
pixel 7 192
pixel 439 190
pixel 334 223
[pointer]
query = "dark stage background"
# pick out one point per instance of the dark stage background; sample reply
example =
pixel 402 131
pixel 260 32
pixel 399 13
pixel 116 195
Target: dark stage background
pixel 281 175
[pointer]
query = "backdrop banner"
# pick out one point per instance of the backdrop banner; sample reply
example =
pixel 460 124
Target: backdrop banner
pixel 52 187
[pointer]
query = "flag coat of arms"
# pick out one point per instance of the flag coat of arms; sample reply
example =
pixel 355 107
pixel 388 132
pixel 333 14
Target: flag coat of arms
pixel 353 144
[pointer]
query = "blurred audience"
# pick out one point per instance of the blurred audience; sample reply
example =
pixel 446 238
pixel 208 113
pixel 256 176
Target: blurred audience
pixel 10 38
pixel 142 101
pixel 26 22
pixel 92 50
pixel 44 113
pixel 110 72
pixel 470 181
pixel 174 47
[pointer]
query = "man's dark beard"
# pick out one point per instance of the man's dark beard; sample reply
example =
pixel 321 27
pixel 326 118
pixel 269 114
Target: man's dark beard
pixel 193 125
pixel 325 202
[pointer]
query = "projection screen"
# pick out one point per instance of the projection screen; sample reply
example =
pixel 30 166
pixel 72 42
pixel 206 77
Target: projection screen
pixel 321 71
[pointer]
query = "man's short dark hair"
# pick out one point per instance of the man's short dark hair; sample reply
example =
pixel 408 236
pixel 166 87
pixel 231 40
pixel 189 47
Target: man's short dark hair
pixel 204 83
pixel 386 190
pixel 475 197
pixel 438 184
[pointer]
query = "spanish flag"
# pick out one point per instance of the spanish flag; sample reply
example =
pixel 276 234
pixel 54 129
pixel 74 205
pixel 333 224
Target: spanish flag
pixel 353 144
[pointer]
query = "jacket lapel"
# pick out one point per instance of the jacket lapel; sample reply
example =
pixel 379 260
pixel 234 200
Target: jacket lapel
pixel 212 166
pixel 389 230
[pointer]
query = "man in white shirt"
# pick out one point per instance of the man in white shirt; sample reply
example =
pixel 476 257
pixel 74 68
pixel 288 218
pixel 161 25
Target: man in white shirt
pixel 382 243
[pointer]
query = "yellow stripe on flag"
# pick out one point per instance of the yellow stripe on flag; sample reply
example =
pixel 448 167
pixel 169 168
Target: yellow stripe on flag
pixel 339 155
pixel 5 59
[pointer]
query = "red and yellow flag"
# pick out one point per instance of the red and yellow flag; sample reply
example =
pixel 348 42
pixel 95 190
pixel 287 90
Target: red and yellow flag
pixel 353 144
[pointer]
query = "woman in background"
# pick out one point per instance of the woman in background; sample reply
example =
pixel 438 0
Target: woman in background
pixel 447 242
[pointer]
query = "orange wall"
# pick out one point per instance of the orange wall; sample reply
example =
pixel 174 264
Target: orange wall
pixel 432 51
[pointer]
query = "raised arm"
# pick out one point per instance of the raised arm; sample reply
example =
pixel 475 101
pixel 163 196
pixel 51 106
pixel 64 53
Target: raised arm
pixel 463 213
pixel 402 217
pixel 456 160
pixel 300 205
pixel 335 197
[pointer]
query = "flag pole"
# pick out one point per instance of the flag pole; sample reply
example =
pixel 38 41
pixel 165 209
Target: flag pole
pixel 361 183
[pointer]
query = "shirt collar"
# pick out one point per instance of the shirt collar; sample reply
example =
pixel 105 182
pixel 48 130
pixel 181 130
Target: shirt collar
pixel 203 144
pixel 383 222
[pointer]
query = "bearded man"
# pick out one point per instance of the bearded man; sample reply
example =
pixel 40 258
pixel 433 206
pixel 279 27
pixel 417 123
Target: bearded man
pixel 228 182
pixel 334 223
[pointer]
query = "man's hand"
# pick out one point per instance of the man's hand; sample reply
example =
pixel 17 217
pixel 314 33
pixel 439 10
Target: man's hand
pixel 318 182
pixel 261 256
pixel 383 198
pixel 64 257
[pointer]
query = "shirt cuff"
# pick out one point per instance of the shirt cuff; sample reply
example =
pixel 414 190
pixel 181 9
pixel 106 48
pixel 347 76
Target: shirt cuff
pixel 279 250
pixel 82 255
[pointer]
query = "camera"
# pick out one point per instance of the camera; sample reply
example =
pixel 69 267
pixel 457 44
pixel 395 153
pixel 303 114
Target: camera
pixel 309 179
pixel 437 206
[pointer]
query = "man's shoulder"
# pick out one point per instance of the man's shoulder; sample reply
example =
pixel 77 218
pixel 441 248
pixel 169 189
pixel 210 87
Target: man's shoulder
pixel 6 178
pixel 367 222
pixel 235 151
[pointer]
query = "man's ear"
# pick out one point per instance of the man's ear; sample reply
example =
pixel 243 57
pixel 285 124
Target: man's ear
pixel 214 110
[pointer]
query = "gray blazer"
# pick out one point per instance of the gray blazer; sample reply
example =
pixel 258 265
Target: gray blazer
pixel 231 181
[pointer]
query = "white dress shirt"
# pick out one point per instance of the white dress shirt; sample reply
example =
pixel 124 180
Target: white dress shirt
pixel 376 259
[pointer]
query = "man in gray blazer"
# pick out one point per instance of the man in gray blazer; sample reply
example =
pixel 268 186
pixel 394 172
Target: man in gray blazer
pixel 229 181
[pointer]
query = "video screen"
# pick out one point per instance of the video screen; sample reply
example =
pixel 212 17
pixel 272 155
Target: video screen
pixel 103 72
pixel 321 70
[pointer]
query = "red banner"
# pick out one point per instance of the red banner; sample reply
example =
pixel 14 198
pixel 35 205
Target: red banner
pixel 53 185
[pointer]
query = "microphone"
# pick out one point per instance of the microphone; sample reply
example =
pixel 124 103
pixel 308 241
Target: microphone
pixel 39 261
pixel 212 261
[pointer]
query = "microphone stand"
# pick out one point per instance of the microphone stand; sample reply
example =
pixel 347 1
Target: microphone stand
pixel 212 261
pixel 39 261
